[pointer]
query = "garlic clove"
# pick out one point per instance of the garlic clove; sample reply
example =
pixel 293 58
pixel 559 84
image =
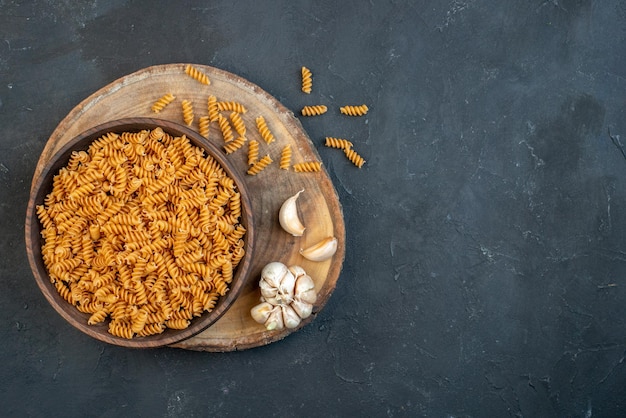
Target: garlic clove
pixel 267 291
pixel 288 216
pixel 273 273
pixel 286 288
pixel 303 309
pixel 321 251
pixel 290 317
pixel 305 290
pixel 261 312
pixel 275 319
pixel 297 271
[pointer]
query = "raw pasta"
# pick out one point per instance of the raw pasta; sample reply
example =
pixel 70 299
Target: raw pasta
pixel 307 82
pixel 264 130
pixel 197 74
pixel 359 110
pixel 260 165
pixel 231 107
pixel 285 157
pixel 203 126
pixel 188 115
pixel 314 110
pixel 253 151
pixel 353 156
pixel 227 132
pixel 234 145
pixel 148 242
pixel 337 143
pixel 162 102
pixel 307 167
pixel 238 124
pixel 213 109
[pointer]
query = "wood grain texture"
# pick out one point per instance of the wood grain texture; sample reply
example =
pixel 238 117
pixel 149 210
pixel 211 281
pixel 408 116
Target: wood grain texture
pixel 319 207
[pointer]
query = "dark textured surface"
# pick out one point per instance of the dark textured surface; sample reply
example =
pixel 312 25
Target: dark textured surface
pixel 486 256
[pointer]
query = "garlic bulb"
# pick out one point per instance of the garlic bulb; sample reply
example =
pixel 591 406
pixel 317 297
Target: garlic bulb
pixel 287 297
pixel 288 216
pixel 321 251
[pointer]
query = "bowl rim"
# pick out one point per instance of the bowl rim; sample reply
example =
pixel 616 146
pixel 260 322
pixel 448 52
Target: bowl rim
pixel 42 186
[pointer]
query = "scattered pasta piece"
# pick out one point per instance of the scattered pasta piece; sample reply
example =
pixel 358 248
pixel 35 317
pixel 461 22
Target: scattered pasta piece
pixel 259 166
pixel 188 115
pixel 307 82
pixel 314 110
pixel 353 156
pixel 354 110
pixel 231 107
pixel 203 126
pixel 212 108
pixel 264 130
pixel 285 157
pixel 338 143
pixel 227 132
pixel 162 102
pixel 234 145
pixel 143 230
pixel 197 74
pixel 238 124
pixel 307 167
pixel 253 152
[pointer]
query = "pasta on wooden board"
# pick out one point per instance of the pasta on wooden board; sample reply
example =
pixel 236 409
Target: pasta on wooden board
pixel 197 74
pixel 162 101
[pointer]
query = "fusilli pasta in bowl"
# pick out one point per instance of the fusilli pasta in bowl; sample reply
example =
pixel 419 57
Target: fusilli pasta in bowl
pixel 140 232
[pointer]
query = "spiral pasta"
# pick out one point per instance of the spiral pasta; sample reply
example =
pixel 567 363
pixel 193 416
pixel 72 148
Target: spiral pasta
pixel 307 167
pixel 129 246
pixel 314 110
pixel 238 123
pixel 307 81
pixel 359 110
pixel 285 157
pixel 227 132
pixel 204 126
pixel 212 108
pixel 260 165
pixel 197 74
pixel 188 114
pixel 234 145
pixel 354 157
pixel 231 106
pixel 264 130
pixel 337 143
pixel 253 151
pixel 162 101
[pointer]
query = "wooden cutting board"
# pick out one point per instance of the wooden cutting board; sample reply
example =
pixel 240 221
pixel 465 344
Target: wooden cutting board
pixel 319 207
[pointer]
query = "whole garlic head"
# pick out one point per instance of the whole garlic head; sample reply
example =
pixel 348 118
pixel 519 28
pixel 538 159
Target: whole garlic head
pixel 287 297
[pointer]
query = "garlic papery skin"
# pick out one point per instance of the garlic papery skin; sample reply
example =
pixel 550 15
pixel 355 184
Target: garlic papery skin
pixel 321 251
pixel 288 216
pixel 261 312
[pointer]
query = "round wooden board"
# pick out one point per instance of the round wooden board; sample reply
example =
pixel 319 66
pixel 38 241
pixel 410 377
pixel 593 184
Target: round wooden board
pixel 319 207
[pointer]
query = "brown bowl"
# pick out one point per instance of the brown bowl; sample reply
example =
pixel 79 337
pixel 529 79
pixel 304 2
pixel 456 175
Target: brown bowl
pixel 34 240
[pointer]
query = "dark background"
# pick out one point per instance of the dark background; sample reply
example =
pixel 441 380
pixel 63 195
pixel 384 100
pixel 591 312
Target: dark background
pixel 486 256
